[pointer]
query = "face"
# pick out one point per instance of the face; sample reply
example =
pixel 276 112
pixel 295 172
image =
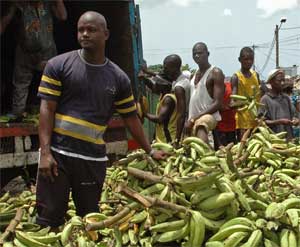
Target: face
pixel 200 54
pixel 170 71
pixel 247 60
pixel 277 82
pixel 91 33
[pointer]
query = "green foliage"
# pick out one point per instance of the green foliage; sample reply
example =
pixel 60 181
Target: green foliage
pixel 155 67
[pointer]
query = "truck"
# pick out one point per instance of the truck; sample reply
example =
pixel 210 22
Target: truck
pixel 19 141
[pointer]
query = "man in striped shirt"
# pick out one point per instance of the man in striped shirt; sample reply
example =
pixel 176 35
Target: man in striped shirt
pixel 80 91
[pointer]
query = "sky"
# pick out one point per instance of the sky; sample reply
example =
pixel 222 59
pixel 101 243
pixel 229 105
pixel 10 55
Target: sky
pixel 174 26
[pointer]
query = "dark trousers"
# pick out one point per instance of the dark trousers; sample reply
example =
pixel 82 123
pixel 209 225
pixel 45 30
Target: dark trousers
pixel 223 138
pixel 26 64
pixel 84 178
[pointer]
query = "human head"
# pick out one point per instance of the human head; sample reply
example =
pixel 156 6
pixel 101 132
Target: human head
pixel 288 86
pixel 171 67
pixel 276 79
pixel 162 86
pixel 200 54
pixel 246 58
pixel 92 31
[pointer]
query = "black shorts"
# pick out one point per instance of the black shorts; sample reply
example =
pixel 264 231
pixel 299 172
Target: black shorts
pixel 84 178
pixel 223 138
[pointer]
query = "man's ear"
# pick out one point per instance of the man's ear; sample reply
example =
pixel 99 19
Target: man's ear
pixel 107 34
pixel 239 59
pixel 208 53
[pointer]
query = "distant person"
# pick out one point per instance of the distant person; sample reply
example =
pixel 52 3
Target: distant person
pixel 245 82
pixel 277 108
pixel 207 92
pixel 225 131
pixel 166 114
pixel 181 89
pixel 35 44
pixel 171 72
pixel 287 88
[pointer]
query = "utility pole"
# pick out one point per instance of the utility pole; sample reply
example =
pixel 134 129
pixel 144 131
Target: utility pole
pixel 277 45
pixel 277 28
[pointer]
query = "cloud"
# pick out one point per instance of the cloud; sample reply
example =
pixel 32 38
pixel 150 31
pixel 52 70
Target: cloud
pixel 227 12
pixel 272 6
pixel 159 3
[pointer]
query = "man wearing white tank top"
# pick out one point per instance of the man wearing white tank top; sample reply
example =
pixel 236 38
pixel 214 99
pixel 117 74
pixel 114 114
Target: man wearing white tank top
pixel 207 91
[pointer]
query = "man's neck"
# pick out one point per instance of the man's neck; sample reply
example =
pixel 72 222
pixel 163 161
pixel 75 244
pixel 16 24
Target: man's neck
pixel 275 92
pixel 245 71
pixel 93 57
pixel 204 67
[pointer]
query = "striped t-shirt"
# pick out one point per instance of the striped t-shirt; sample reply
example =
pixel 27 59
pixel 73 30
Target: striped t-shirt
pixel 86 96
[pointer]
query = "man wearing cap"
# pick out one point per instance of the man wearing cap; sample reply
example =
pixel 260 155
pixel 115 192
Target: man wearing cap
pixel 277 108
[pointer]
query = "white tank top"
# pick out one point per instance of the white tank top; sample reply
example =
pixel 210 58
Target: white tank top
pixel 200 99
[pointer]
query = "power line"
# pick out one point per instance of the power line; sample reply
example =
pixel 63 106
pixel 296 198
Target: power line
pixel 289 49
pixel 268 56
pixel 292 43
pixel 290 28
pixel 289 54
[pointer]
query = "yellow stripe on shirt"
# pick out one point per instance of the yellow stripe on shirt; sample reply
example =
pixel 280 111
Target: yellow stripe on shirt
pixel 51 81
pixel 78 136
pixel 123 101
pixel 80 122
pixel 49 91
pixel 126 110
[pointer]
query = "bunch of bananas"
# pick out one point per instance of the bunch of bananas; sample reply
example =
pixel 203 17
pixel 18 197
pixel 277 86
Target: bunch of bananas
pixel 244 103
pixel 242 195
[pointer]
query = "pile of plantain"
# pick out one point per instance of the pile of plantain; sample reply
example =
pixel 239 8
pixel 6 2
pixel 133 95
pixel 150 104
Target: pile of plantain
pixel 247 194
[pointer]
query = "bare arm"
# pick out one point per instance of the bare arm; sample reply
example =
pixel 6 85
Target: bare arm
pixel 234 86
pixel 5 20
pixel 136 130
pixel 181 111
pixel 298 106
pixel 59 10
pixel 218 93
pixel 47 165
pixel 164 113
pixel 258 95
pixel 283 121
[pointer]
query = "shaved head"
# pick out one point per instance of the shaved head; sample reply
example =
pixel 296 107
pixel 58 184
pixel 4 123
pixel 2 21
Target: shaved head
pixel 200 54
pixel 201 45
pixel 95 17
pixel 173 59
pixel 92 32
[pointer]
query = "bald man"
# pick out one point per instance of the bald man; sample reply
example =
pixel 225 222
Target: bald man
pixel 79 92
pixel 181 88
pixel 207 91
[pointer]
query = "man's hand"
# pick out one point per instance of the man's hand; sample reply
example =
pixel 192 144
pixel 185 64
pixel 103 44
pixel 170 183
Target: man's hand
pixel 141 75
pixel 159 155
pixel 188 127
pixel 285 121
pixel 48 166
pixel 295 122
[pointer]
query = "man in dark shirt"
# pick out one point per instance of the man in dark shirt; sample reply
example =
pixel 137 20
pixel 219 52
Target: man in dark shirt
pixel 80 91
pixel 277 106
pixel 35 44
